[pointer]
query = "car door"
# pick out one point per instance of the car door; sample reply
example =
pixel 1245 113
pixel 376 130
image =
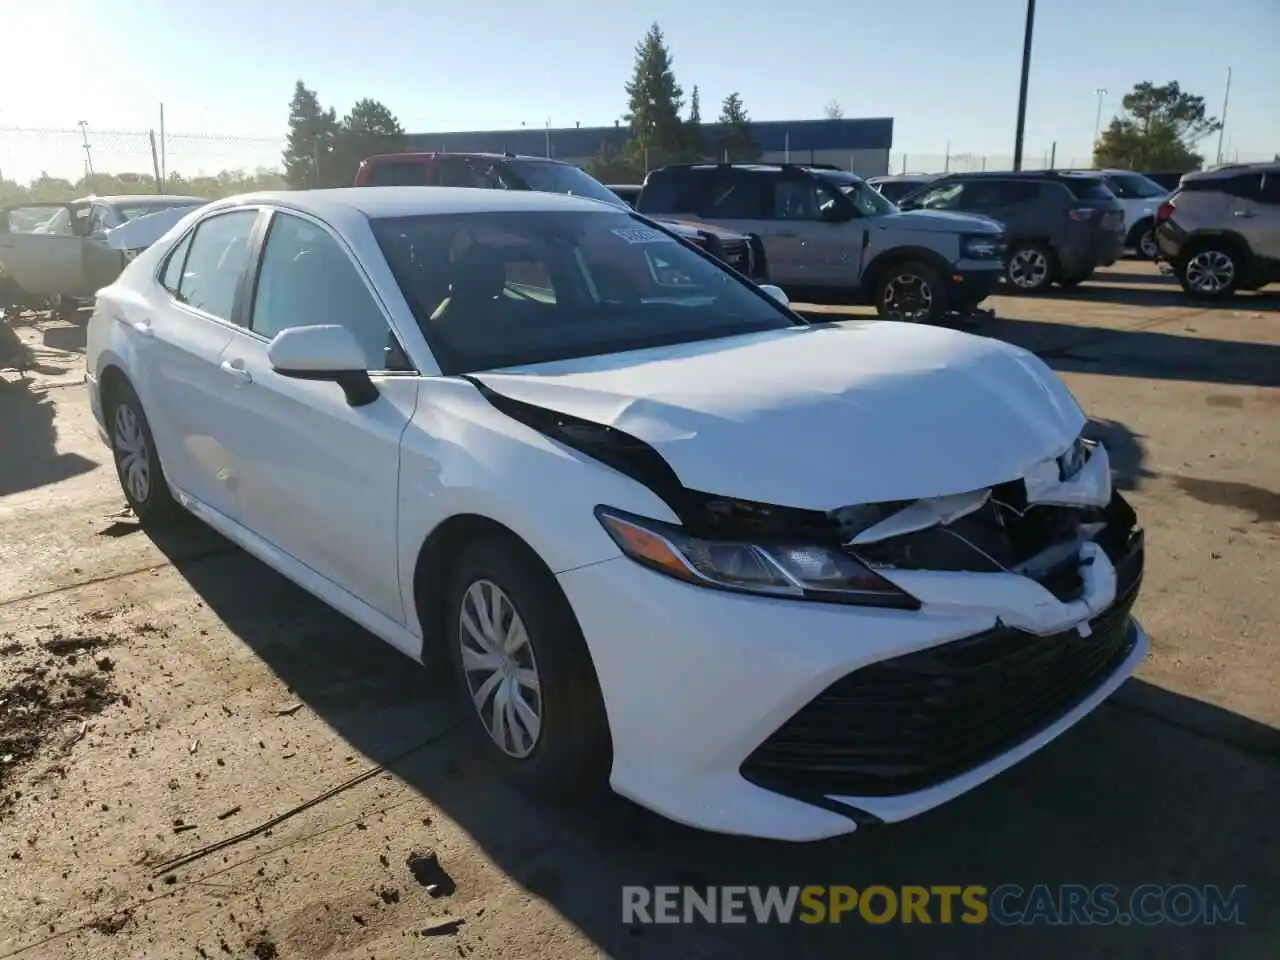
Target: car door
pixel 314 476
pixel 742 201
pixel 102 263
pixel 40 250
pixel 1255 210
pixel 189 322
pixel 818 229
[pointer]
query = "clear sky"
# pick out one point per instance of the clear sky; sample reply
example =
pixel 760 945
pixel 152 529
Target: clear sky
pixel 946 71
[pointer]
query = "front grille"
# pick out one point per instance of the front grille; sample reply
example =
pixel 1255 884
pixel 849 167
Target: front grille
pixel 908 723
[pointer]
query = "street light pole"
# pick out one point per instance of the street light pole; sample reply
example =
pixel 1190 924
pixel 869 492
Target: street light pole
pixel 1226 96
pixel 1022 90
pixel 1097 123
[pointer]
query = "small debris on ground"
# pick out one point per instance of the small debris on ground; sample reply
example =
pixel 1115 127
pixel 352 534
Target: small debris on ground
pixel 229 813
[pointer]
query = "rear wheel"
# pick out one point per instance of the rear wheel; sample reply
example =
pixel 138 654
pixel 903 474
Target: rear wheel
pixel 1211 271
pixel 1031 268
pixel 134 451
pixel 914 292
pixel 524 669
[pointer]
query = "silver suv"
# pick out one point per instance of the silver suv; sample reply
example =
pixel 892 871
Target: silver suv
pixel 1220 231
pixel 828 232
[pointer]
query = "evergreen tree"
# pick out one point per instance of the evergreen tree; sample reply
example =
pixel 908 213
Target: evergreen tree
pixel 312 131
pixel 654 101
pixel 695 146
pixel 735 131
pixel 368 129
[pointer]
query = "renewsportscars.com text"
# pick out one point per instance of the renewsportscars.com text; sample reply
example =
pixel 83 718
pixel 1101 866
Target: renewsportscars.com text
pixel 973 904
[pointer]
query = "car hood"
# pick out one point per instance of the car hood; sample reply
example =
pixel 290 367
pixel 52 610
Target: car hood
pixel 825 416
pixel 944 221
pixel 141 232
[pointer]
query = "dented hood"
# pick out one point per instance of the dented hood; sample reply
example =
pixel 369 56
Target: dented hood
pixel 822 417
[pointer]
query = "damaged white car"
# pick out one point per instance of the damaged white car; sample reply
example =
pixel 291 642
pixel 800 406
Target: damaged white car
pixel 763 576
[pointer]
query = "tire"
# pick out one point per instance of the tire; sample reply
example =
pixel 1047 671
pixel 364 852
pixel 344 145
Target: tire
pixel 913 291
pixel 1031 268
pixel 1142 240
pixel 1211 270
pixel 133 449
pixel 568 754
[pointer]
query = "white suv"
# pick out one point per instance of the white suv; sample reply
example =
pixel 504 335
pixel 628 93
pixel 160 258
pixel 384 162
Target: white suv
pixel 1141 198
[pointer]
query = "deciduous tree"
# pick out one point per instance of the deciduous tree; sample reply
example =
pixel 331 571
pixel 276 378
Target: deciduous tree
pixel 1159 130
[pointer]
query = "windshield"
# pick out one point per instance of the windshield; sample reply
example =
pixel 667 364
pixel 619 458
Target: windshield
pixel 1134 186
pixel 495 290
pixel 895 190
pixel 135 210
pixel 563 178
pixel 868 201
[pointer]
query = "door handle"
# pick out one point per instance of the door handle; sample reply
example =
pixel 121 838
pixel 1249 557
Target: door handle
pixel 233 368
pixel 142 327
pixel 1245 213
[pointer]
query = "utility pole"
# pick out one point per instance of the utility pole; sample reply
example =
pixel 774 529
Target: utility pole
pixel 88 156
pixel 1022 89
pixel 1053 156
pixel 946 161
pixel 164 166
pixel 1097 123
pixel 1226 96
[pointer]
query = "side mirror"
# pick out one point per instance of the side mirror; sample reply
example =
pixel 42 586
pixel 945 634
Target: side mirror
pixel 777 293
pixel 324 352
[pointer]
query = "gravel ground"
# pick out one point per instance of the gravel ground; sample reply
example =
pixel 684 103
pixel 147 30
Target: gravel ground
pixel 199 760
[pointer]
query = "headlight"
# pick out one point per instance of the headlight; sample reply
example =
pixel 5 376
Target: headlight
pixel 981 247
pixel 1073 461
pixel 800 571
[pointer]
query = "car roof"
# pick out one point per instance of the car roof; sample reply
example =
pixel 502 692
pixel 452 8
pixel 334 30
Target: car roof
pixel 379 202
pixel 1228 170
pixel 143 199
pixel 1025 175
pixel 412 155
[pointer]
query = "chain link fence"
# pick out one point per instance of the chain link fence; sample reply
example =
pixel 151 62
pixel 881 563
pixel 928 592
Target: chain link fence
pixel 89 160
pixel 931 163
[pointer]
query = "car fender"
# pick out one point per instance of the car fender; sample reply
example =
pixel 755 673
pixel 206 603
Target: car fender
pixel 896 255
pixel 463 457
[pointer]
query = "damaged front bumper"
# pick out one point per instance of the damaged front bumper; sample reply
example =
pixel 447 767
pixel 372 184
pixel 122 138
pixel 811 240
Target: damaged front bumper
pixel 799 721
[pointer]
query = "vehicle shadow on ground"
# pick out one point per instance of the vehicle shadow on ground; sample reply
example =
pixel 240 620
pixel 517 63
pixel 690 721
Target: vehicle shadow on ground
pixel 1135 794
pixel 28 437
pixel 1126 450
pixel 1148 354
pixel 1106 288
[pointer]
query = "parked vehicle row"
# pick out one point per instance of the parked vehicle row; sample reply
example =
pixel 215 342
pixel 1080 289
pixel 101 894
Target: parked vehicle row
pixel 764 576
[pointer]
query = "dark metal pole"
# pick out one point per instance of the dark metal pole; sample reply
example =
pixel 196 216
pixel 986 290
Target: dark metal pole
pixel 1022 90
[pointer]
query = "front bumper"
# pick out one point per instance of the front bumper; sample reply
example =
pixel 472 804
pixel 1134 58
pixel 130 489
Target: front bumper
pixel 697 681
pixel 968 286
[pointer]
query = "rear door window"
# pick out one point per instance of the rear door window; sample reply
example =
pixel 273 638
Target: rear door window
pixel 403 173
pixel 215 264
pixel 674 192
pixel 1088 188
pixel 740 195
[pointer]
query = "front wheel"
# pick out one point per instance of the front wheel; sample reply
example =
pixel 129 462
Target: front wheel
pixel 912 291
pixel 1211 272
pixel 1147 244
pixel 524 669
pixel 1031 268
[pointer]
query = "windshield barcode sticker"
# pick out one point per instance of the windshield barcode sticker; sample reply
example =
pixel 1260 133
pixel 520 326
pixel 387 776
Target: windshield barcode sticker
pixel 642 235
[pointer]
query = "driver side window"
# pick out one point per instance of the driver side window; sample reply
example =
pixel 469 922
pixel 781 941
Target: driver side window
pixel 945 197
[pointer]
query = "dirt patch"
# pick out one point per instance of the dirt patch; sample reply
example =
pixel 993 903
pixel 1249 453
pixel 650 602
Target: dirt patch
pixel 51 702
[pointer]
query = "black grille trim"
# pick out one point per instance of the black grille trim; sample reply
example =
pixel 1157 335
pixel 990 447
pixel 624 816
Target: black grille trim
pixel 909 723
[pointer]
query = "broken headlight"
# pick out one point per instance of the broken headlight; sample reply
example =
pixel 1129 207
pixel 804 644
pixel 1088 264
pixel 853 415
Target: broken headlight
pixel 1073 461
pixel 800 571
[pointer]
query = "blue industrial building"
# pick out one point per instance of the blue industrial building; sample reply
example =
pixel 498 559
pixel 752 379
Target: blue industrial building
pixel 859 145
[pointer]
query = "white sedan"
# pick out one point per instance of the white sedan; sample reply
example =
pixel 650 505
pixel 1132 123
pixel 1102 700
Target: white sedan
pixel 764 576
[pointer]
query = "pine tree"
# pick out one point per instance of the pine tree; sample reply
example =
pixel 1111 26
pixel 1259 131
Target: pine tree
pixel 735 131
pixel 694 144
pixel 312 131
pixel 367 129
pixel 654 101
